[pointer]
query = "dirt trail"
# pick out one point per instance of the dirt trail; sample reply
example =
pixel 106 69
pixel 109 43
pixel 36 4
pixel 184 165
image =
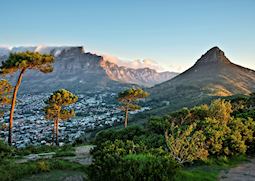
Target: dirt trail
pixel 244 172
pixel 82 155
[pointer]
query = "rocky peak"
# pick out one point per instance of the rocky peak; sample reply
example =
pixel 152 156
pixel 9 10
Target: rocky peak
pixel 213 56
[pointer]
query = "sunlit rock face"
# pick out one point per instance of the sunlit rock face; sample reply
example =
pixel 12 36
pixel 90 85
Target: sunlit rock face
pixel 79 71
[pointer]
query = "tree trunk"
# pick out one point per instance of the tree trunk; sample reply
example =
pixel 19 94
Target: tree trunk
pixel 53 133
pixel 126 119
pixel 57 132
pixel 14 97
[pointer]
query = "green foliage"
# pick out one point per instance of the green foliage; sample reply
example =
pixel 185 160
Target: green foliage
pixel 115 160
pixel 5 94
pixel 209 170
pixel 132 94
pixel 147 167
pixel 27 60
pixel 56 102
pixel 220 110
pixel 158 125
pixel 108 158
pixel 150 140
pixel 128 98
pixel 43 166
pixel 62 97
pixel 189 136
pixel 234 136
pixel 122 134
pixel 5 151
pixel 55 109
pixel 246 114
pixel 66 149
pixel 186 144
pixel 10 170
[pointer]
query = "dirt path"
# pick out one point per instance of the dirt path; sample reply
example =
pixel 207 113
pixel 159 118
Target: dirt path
pixel 244 172
pixel 82 155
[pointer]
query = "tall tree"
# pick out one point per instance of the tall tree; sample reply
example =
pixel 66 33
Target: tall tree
pixel 56 109
pixel 128 98
pixel 5 95
pixel 21 62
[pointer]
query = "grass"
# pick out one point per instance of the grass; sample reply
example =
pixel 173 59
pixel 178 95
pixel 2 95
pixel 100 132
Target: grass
pixel 55 175
pixel 210 170
pixel 44 149
pixel 9 170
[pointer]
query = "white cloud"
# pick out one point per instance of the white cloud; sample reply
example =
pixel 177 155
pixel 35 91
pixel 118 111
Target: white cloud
pixel 145 63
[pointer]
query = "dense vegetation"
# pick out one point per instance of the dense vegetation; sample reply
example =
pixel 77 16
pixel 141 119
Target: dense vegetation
pixel 10 169
pixel 164 147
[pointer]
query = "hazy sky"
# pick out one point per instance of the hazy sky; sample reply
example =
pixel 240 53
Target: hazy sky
pixel 172 33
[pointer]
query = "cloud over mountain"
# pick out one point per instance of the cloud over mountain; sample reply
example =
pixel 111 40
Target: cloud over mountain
pixel 135 64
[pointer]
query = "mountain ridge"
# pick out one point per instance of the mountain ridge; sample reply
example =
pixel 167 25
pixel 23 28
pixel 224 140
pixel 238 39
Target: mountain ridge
pixel 86 70
pixel 213 75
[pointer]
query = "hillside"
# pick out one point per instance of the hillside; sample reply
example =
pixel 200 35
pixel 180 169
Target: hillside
pixel 143 76
pixel 213 75
pixel 79 71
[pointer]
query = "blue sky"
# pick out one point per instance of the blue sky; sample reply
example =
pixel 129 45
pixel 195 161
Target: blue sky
pixel 172 33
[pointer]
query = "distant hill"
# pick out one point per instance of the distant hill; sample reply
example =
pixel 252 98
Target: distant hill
pixel 213 75
pixel 78 71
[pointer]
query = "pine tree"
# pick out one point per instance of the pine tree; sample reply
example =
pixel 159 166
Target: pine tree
pixel 128 98
pixel 5 92
pixel 55 109
pixel 22 62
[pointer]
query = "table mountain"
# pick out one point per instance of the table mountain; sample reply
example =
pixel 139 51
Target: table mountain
pixel 78 71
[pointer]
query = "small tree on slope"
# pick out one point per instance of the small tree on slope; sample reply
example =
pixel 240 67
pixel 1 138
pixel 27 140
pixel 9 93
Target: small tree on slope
pixel 128 98
pixel 55 109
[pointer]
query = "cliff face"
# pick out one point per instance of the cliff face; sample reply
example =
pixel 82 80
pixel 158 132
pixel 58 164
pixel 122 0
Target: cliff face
pixel 144 76
pixel 79 71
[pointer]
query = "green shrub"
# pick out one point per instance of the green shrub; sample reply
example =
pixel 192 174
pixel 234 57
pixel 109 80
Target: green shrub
pixel 147 167
pixel 10 170
pixel 43 166
pixel 150 140
pixel 5 150
pixel 122 134
pixel 108 156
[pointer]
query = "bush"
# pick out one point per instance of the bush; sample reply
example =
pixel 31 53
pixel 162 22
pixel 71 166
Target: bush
pixel 133 167
pixel 150 140
pixel 10 170
pixel 108 156
pixel 147 167
pixel 43 166
pixel 5 150
pixel 122 134
pixel 231 137
pixel 186 144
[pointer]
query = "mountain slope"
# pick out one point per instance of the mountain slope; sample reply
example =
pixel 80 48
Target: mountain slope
pixel 79 72
pixel 144 76
pixel 212 75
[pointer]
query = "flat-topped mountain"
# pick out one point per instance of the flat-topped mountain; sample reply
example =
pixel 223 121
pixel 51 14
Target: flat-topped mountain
pixel 79 71
pixel 212 75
